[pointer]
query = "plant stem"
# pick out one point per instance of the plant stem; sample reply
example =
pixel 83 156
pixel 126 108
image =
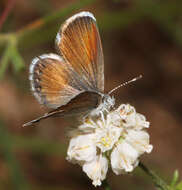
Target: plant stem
pixel 106 185
pixel 4 61
pixel 158 182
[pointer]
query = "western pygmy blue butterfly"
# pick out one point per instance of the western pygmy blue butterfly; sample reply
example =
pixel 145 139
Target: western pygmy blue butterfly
pixel 72 81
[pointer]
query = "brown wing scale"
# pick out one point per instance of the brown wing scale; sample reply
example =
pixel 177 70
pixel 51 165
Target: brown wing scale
pixel 52 83
pixel 79 43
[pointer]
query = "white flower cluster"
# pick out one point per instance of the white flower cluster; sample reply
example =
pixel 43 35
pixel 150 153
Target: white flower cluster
pixel 119 137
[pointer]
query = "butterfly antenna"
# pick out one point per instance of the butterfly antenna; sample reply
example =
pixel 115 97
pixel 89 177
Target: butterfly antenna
pixel 125 83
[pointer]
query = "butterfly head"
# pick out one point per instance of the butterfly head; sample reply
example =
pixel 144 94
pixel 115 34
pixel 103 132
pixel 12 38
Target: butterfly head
pixel 108 101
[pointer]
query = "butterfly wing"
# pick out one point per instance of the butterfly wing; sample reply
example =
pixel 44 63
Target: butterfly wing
pixel 56 86
pixel 52 82
pixel 59 80
pixel 79 43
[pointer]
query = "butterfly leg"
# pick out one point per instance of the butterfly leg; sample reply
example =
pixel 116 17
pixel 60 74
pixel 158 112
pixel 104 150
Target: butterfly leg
pixel 102 117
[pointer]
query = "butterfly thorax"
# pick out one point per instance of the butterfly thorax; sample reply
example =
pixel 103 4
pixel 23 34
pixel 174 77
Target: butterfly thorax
pixel 107 102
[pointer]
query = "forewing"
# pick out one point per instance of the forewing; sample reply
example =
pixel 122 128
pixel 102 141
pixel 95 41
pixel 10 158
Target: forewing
pixel 52 82
pixel 79 43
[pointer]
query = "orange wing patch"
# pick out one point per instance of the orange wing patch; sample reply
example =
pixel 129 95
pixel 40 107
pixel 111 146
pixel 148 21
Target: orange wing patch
pixel 51 81
pixel 79 43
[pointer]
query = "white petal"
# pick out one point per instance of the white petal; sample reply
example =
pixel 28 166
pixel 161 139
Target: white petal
pixel 126 109
pixel 123 158
pixel 127 114
pixel 132 119
pixel 114 118
pixel 96 170
pixel 81 148
pixel 141 122
pixel 139 140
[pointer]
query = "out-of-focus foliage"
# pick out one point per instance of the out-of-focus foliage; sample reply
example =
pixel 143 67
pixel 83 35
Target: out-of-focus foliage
pixel 175 183
pixel 139 37
pixel 12 55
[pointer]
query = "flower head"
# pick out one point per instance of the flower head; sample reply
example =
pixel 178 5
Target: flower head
pixel 118 137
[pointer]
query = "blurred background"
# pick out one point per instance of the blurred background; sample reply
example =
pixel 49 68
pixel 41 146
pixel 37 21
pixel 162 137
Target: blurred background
pixel 138 37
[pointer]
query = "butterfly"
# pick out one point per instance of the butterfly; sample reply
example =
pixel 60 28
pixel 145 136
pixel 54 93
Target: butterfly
pixel 72 81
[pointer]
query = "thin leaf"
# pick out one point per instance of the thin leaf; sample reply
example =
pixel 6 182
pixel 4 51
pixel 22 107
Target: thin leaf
pixel 17 60
pixel 174 179
pixel 5 60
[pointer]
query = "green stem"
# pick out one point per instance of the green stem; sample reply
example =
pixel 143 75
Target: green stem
pixel 4 61
pixel 106 185
pixel 158 182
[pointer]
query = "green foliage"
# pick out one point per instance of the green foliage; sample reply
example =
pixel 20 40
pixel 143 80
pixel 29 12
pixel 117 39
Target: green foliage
pixel 179 186
pixel 174 179
pixel 160 183
pixel 175 183
pixel 11 55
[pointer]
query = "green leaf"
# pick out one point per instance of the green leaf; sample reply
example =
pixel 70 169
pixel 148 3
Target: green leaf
pixel 5 60
pixel 179 186
pixel 175 178
pixel 17 60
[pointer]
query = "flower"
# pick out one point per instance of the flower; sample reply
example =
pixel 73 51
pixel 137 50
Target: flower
pixel 123 158
pixel 117 136
pixel 96 169
pixel 81 148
